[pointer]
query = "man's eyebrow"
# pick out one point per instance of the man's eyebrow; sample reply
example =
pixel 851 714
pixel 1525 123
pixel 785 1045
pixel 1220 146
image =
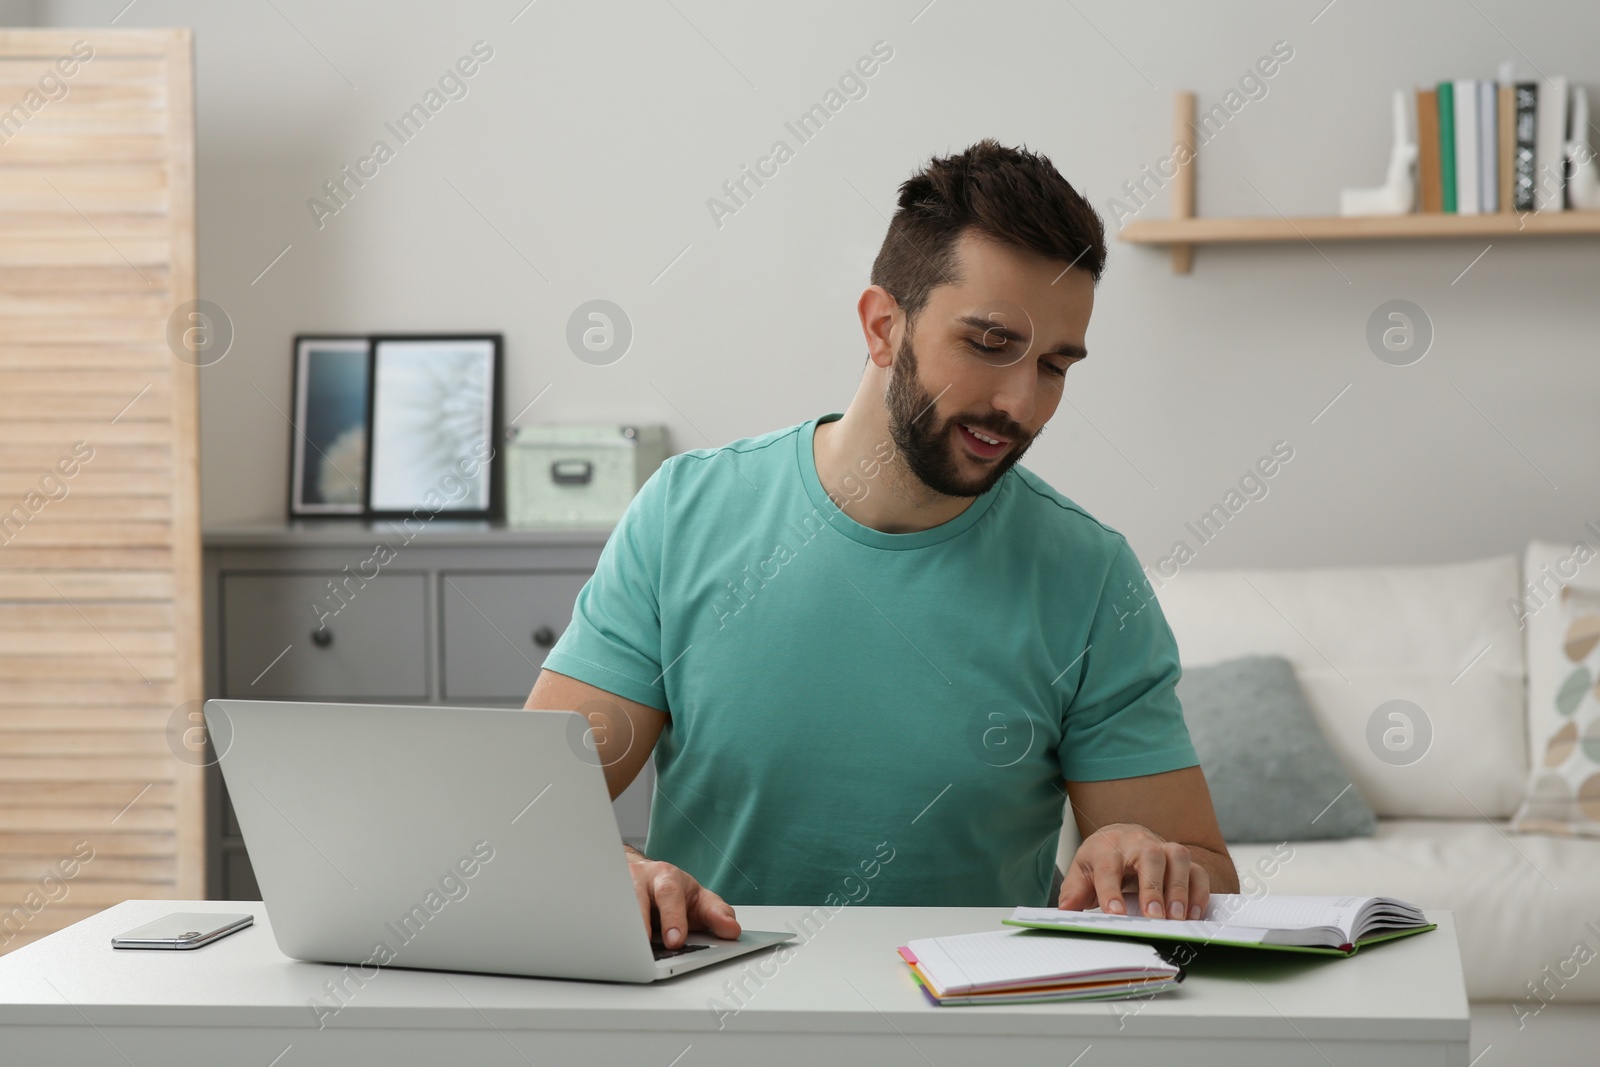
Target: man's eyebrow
pixel 989 326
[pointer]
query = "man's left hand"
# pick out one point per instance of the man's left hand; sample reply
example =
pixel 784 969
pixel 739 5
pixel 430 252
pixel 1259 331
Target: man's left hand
pixel 1124 857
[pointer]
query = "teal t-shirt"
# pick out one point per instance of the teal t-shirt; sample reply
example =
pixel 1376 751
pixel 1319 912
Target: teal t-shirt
pixel 865 717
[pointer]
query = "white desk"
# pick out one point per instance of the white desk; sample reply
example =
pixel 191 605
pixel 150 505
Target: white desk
pixel 843 998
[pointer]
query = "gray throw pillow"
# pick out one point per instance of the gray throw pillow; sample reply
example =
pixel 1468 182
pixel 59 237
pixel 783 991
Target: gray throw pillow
pixel 1273 776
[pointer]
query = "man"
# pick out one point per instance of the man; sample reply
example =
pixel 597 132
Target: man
pixel 871 653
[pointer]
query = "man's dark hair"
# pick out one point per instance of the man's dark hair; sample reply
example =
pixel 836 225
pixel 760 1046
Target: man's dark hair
pixel 1007 194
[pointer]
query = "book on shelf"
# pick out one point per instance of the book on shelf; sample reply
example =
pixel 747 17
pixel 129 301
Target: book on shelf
pixel 1429 195
pixel 1487 146
pixel 1506 138
pixel 1447 146
pixel 1335 926
pixel 1550 148
pixel 1466 129
pixel 1026 966
pixel 1527 108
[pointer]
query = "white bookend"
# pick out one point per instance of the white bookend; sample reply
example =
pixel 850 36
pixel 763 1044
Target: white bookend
pixel 1583 184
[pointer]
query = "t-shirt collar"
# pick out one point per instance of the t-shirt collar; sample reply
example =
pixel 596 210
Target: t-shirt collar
pixel 806 458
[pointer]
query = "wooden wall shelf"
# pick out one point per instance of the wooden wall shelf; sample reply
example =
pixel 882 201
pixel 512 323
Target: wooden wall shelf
pixel 1183 231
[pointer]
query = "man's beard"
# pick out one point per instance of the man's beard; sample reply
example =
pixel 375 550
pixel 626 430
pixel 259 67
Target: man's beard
pixel 928 444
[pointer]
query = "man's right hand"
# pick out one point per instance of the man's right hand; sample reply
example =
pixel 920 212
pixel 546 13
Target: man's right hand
pixel 678 902
pixel 624 732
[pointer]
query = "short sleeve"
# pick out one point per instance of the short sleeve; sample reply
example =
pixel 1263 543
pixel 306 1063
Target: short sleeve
pixel 1125 720
pixel 614 639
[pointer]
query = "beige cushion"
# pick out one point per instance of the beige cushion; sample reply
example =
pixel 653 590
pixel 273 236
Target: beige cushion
pixel 1440 636
pixel 1520 900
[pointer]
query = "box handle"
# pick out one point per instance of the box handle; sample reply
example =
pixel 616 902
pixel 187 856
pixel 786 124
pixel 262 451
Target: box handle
pixel 571 471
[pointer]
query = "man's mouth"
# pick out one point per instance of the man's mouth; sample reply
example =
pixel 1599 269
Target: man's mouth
pixel 983 444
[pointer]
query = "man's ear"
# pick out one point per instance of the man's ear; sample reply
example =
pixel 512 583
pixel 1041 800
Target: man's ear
pixel 880 315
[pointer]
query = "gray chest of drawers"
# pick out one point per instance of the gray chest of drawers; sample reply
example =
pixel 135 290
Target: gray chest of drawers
pixel 452 614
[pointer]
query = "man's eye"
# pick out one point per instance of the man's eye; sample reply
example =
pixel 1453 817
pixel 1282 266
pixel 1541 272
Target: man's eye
pixel 988 350
pixel 1056 369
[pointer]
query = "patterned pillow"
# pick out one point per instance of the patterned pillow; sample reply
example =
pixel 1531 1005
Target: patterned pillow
pixel 1564 787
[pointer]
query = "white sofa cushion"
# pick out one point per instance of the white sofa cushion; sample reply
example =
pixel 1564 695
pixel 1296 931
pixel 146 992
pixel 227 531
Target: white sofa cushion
pixel 1439 635
pixel 1521 901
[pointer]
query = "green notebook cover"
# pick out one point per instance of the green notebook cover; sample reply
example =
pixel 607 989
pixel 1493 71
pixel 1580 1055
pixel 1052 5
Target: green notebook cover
pixel 1143 935
pixel 1447 144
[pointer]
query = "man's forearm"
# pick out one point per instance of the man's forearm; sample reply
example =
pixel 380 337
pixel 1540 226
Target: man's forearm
pixel 631 851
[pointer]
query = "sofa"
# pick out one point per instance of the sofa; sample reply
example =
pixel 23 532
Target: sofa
pixel 1453 642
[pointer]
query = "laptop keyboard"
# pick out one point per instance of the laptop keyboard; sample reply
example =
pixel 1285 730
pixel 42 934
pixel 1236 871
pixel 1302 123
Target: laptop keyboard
pixel 662 952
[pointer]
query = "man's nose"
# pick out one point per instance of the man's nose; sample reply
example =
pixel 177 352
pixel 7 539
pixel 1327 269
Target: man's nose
pixel 1014 394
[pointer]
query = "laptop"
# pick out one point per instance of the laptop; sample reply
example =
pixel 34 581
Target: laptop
pixel 457 839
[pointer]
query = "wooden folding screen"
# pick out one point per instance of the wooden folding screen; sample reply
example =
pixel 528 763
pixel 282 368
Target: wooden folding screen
pixel 100 789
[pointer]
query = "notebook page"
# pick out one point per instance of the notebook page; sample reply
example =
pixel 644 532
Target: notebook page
pixel 994 957
pixel 1184 929
pixel 1278 912
pixel 1285 912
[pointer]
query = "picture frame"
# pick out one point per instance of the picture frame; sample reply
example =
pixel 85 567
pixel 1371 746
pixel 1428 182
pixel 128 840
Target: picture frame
pixel 328 442
pixel 434 425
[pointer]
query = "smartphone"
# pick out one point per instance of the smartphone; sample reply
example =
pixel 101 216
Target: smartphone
pixel 185 929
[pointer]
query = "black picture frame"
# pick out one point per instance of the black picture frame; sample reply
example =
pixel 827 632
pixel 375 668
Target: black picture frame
pixel 397 485
pixel 326 421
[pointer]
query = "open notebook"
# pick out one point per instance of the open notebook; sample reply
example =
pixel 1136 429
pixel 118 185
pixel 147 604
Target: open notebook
pixel 1332 925
pixel 1023 966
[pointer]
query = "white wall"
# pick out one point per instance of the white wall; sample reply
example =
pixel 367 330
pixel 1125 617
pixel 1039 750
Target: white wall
pixel 593 138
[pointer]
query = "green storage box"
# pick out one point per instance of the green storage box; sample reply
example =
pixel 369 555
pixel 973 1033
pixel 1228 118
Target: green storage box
pixel 578 475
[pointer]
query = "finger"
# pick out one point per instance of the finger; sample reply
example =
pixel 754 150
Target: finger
pixel 1108 880
pixel 1077 886
pixel 668 888
pixel 641 889
pixel 1152 866
pixel 1199 891
pixel 1178 877
pixel 715 914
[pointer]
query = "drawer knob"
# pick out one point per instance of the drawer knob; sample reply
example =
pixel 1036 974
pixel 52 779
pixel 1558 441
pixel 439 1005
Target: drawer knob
pixel 544 637
pixel 322 638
